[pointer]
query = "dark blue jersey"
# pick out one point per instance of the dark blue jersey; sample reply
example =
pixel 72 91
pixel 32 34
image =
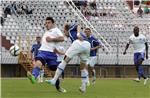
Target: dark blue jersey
pixel 35 48
pixel 73 33
pixel 94 42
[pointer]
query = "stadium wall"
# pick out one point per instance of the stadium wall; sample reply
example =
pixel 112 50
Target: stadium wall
pixel 12 70
pixel 108 71
pixel 73 71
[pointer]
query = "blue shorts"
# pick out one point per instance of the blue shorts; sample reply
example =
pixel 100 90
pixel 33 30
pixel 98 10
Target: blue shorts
pixel 47 58
pixel 53 67
pixel 138 56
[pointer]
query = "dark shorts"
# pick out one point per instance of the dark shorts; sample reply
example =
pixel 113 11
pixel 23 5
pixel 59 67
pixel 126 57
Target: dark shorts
pixel 47 58
pixel 138 56
pixel 53 67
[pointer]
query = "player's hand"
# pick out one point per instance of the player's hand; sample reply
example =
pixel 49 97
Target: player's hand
pixel 80 38
pixel 49 39
pixel 124 52
pixel 146 56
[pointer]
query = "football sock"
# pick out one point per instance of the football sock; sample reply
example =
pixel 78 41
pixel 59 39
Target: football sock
pixel 59 70
pixel 94 73
pixel 141 72
pixel 84 76
pixel 36 71
pixel 41 75
pixel 62 74
pixel 57 84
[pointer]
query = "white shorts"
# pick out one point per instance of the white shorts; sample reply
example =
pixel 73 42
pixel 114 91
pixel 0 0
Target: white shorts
pixel 92 61
pixel 80 48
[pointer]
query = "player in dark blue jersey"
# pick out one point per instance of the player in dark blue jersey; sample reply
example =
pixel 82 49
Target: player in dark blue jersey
pixel 72 32
pixel 35 47
pixel 95 45
pixel 34 52
pixel 79 47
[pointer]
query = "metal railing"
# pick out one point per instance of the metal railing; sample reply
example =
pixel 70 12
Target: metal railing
pixel 105 44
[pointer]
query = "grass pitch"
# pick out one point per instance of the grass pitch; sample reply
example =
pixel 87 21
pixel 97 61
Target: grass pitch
pixel 104 88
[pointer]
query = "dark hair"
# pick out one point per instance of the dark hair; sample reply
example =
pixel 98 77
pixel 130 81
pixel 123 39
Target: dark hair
pixel 136 27
pixel 67 27
pixel 38 37
pixel 87 29
pixel 50 18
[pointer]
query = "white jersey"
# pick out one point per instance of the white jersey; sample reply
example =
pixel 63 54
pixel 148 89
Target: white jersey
pixel 138 42
pixel 50 46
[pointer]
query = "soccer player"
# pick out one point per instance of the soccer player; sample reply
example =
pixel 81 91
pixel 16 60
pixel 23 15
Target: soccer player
pixel 140 45
pixel 46 54
pixel 95 44
pixel 60 52
pixel 79 47
pixel 35 47
pixel 34 51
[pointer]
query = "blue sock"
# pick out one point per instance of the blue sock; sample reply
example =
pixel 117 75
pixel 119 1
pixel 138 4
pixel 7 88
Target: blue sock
pixel 57 84
pixel 140 71
pixel 36 71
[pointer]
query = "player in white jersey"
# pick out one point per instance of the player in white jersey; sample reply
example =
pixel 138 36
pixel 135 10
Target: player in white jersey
pixel 46 54
pixel 79 47
pixel 140 46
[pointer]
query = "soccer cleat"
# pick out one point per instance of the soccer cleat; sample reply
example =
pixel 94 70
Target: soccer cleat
pixel 145 81
pixel 40 80
pixel 62 90
pixel 50 82
pixel 137 80
pixel 82 90
pixel 31 77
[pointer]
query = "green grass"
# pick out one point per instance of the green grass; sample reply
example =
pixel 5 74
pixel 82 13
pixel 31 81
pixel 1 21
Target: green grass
pixel 104 88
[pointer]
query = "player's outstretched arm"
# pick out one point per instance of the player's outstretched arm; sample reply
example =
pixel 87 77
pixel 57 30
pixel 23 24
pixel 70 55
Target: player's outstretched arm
pixel 146 45
pixel 57 39
pixel 95 48
pixel 97 45
pixel 59 52
pixel 127 46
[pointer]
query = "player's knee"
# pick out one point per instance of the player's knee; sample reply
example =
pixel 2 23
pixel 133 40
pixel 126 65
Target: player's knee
pixel 140 61
pixel 83 65
pixel 38 63
pixel 92 68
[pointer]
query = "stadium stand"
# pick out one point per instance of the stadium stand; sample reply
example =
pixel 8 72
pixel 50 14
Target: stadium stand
pixel 115 27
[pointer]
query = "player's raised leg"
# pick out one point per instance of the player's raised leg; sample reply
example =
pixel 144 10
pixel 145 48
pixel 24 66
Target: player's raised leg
pixel 59 70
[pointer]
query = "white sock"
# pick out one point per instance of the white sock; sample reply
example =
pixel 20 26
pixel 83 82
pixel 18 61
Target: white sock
pixel 88 80
pixel 59 70
pixel 94 73
pixel 41 75
pixel 85 78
